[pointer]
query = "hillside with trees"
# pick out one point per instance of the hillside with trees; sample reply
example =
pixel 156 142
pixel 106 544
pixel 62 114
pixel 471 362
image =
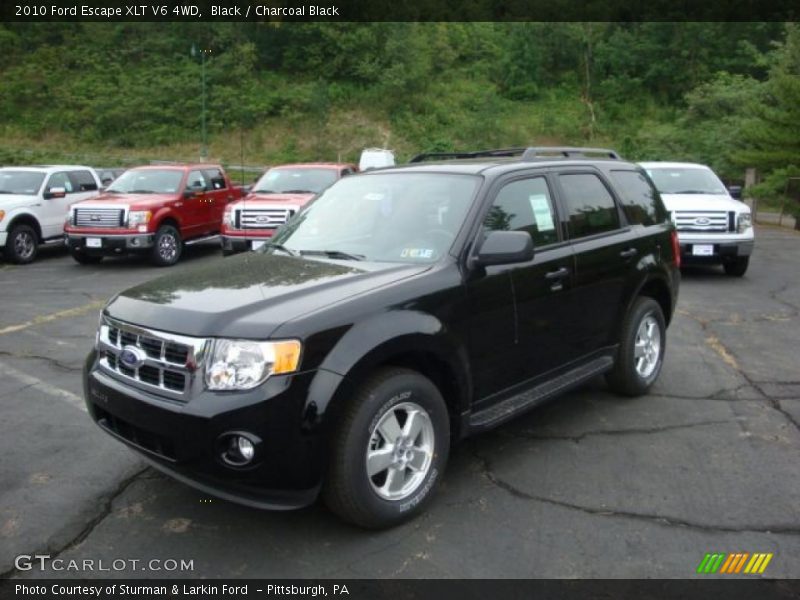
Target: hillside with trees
pixel 721 93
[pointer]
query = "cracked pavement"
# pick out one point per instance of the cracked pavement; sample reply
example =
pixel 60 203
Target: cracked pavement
pixel 590 485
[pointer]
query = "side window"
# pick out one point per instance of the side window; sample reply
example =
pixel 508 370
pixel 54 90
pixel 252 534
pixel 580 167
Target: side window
pixel 196 181
pixel 215 178
pixel 639 199
pixel 589 204
pixel 60 180
pixel 83 181
pixel 524 205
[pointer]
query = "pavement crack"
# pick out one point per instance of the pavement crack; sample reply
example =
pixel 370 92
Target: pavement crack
pixel 105 511
pixel 53 361
pixel 527 434
pixel 656 519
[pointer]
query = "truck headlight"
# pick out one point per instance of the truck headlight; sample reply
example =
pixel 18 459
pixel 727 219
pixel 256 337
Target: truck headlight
pixel 244 364
pixel 138 217
pixel 744 222
pixel 228 219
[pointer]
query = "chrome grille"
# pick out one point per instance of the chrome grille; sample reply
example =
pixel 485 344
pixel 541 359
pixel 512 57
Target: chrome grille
pixel 170 361
pixel 99 217
pixel 700 221
pixel 264 218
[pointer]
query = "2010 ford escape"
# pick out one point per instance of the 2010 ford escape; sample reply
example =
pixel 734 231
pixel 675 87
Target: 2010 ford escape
pixel 404 309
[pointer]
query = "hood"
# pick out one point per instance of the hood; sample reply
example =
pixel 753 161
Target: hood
pixel 724 202
pixel 11 201
pixel 249 295
pixel 296 199
pixel 136 200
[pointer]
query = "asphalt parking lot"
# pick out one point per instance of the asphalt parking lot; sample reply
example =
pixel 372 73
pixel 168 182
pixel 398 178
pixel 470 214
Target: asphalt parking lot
pixel 591 485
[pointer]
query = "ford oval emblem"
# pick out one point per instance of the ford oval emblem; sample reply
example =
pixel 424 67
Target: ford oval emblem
pixel 702 221
pixel 132 357
pixel 262 219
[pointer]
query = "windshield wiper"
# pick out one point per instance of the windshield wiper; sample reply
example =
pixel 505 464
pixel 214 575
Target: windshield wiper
pixel 6 192
pixel 282 248
pixel 298 192
pixel 141 192
pixel 689 192
pixel 333 254
pixel 264 191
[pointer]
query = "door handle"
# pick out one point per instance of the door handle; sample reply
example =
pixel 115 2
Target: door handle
pixel 629 253
pixel 560 274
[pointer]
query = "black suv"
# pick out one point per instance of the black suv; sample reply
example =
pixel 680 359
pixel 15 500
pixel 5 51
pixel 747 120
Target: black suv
pixel 404 309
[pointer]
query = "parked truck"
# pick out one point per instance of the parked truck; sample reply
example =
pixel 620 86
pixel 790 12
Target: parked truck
pixel 275 198
pixel 151 210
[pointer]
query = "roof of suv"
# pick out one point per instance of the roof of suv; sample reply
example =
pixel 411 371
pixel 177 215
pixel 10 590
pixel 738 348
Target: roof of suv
pixel 671 165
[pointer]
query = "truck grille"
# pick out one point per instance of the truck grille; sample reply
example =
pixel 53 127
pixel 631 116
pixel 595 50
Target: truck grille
pixel 264 218
pixel 705 221
pixel 167 363
pixel 99 217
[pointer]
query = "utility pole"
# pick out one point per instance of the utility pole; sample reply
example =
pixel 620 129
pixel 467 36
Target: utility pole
pixel 204 145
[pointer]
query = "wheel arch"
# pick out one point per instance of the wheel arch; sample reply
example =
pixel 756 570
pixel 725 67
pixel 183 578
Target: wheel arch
pixel 26 218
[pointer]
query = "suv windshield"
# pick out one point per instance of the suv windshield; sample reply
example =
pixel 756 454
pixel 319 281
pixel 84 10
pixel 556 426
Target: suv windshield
pixel 148 181
pixel 686 181
pixel 295 181
pixel 389 217
pixel 20 182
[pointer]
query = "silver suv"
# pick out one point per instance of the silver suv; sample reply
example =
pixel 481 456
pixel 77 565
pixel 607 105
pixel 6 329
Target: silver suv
pixel 713 226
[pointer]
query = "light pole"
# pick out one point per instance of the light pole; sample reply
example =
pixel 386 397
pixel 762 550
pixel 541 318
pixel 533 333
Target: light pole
pixel 204 146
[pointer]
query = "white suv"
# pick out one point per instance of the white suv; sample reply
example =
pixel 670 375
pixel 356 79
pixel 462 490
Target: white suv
pixel 713 226
pixel 35 201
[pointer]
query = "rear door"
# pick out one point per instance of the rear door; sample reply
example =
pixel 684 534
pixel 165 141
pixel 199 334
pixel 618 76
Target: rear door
pixel 196 208
pixel 218 195
pixel 606 257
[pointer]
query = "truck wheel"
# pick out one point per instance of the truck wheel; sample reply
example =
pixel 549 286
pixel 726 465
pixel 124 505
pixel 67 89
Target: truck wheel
pixel 389 450
pixel 167 246
pixel 22 245
pixel 83 258
pixel 641 349
pixel 736 267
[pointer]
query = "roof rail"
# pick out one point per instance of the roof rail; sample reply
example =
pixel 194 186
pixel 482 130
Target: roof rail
pixel 475 154
pixel 568 152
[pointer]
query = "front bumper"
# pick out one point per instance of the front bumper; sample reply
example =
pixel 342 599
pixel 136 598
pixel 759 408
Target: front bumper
pixel 722 249
pixel 3 238
pixel 182 439
pixel 244 241
pixel 110 245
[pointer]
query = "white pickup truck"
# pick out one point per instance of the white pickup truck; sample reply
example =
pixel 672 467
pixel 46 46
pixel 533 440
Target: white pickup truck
pixel 35 201
pixel 713 226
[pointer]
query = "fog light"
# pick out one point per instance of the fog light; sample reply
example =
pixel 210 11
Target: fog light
pixel 237 449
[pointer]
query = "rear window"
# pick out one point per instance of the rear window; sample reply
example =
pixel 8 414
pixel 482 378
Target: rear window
pixel 590 205
pixel 640 202
pixel 83 180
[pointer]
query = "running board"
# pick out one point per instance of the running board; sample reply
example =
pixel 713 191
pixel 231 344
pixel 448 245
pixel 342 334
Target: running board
pixel 510 407
pixel 203 239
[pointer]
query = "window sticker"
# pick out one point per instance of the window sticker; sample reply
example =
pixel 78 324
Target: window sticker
pixel 416 253
pixel 541 211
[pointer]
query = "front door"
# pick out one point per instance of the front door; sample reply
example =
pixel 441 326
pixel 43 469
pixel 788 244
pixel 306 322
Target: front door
pixel 519 311
pixel 54 210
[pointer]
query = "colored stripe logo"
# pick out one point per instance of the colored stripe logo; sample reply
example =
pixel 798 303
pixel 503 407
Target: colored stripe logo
pixel 736 562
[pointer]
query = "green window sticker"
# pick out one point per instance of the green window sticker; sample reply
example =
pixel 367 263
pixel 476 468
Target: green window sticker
pixel 541 212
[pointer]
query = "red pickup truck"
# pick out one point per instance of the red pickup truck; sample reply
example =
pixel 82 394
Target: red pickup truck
pixel 151 210
pixel 276 197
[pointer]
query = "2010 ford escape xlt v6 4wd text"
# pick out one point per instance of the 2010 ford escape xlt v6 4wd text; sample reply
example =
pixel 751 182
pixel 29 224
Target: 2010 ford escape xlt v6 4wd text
pixel 402 310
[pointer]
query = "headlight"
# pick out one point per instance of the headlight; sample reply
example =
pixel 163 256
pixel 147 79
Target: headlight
pixel 227 218
pixel 138 217
pixel 70 218
pixel 744 222
pixel 243 364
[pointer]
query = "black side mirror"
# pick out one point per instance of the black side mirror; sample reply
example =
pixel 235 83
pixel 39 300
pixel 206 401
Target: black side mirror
pixel 735 191
pixel 56 192
pixel 504 248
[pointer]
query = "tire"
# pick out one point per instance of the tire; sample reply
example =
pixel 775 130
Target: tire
pixel 85 259
pixel 632 375
pixel 401 489
pixel 736 267
pixel 167 246
pixel 22 245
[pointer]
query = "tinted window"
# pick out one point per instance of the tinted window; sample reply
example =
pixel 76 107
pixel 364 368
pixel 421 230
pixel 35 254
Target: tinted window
pixel 83 180
pixel 215 178
pixel 524 205
pixel 60 180
pixel 639 202
pixel 590 206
